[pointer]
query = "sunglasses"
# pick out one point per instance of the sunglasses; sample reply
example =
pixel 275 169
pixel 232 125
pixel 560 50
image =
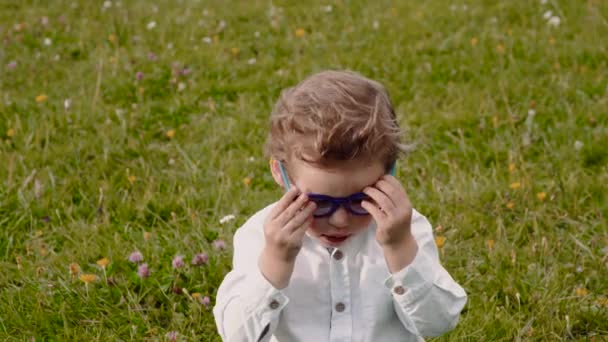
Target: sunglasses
pixel 327 205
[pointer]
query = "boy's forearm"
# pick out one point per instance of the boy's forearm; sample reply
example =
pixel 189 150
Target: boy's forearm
pixel 401 255
pixel 275 270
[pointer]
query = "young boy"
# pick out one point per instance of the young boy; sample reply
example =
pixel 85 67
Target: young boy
pixel 342 256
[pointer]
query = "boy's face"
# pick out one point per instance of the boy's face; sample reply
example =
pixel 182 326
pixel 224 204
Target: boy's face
pixel 343 180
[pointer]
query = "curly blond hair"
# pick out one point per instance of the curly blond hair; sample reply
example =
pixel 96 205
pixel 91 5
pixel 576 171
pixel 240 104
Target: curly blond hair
pixel 334 116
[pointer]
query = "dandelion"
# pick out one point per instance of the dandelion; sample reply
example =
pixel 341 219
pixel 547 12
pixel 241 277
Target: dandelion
pixel 200 259
pixel 300 33
pixel 41 98
pixel 74 269
pixel 143 271
pixel 512 167
pixel 234 51
pixel 247 181
pixel 510 205
pixel 151 25
pixel 500 49
pixel 172 336
pixel 136 257
pixel 440 241
pixel 139 76
pixel 131 179
pixel 103 262
pixel 170 133
pixel 515 185
pixel 474 41
pixel 112 38
pixel 11 65
pixel 490 244
pixel 88 278
pixel 178 262
pixel 581 291
pixel 219 245
pixel 10 132
pixel 227 218
pixel 541 196
pixel 554 21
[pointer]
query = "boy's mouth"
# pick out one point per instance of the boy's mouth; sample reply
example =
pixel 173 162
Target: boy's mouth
pixel 335 239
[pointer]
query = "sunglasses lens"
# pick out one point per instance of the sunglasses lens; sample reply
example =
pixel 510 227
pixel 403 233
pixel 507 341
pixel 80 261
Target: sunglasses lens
pixel 355 207
pixel 323 207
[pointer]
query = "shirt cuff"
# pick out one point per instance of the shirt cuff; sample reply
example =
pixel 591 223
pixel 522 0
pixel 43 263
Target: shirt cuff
pixel 262 299
pixel 412 282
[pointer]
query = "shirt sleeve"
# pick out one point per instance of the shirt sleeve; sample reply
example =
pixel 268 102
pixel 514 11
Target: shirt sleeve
pixel 247 306
pixel 426 298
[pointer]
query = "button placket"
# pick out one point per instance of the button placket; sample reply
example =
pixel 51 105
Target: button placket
pixel 341 320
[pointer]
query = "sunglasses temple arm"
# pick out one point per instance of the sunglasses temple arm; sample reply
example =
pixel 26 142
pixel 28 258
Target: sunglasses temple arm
pixel 284 175
pixel 393 171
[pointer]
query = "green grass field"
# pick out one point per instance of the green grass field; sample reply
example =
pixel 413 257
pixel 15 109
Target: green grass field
pixel 138 125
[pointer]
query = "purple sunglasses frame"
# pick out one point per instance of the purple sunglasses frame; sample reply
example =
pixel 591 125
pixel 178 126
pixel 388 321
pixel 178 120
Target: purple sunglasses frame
pixel 336 202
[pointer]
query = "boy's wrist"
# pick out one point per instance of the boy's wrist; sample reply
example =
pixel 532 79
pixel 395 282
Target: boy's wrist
pixel 276 270
pixel 400 255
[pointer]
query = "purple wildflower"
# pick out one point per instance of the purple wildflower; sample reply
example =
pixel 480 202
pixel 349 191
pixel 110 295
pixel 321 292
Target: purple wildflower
pixel 136 257
pixel 12 65
pixel 152 57
pixel 139 75
pixel 219 245
pixel 143 271
pixel 185 71
pixel 205 301
pixel 200 259
pixel 172 336
pixel 178 261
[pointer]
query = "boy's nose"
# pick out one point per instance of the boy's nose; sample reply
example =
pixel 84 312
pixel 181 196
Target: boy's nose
pixel 339 218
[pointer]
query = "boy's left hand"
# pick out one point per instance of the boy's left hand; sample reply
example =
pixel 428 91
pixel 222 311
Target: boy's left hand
pixel 392 211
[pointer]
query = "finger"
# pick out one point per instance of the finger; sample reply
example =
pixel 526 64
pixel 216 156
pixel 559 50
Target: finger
pixel 380 198
pixel 292 210
pixel 395 182
pixel 301 217
pixel 298 234
pixel 284 202
pixel 371 208
pixel 393 192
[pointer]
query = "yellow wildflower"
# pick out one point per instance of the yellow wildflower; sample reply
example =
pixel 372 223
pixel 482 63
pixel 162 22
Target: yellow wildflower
pixel 515 185
pixel 510 205
pixel 440 241
pixel 247 181
pixel 147 236
pixel 196 295
pixel 581 291
pixel 18 260
pixel 88 278
pixel 300 33
pixel 41 98
pixel 541 196
pixel 474 41
pixel 103 262
pixel 490 244
pixel 10 133
pixel 170 133
pixel 552 40
pixel 512 167
pixel 500 49
pixel 112 38
pixel 132 179
pixel 235 51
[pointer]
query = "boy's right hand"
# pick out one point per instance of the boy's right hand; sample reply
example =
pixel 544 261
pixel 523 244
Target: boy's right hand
pixel 284 231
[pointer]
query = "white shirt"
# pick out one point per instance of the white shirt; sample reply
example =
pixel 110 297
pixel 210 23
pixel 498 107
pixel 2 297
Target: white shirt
pixel 344 294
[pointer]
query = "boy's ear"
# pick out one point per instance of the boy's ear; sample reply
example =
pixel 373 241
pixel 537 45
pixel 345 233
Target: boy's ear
pixel 276 172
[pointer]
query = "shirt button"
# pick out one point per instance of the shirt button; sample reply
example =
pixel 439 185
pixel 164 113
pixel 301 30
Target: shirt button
pixel 274 305
pixel 338 255
pixel 399 290
pixel 340 307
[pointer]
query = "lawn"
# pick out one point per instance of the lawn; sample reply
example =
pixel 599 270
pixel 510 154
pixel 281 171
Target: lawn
pixel 138 126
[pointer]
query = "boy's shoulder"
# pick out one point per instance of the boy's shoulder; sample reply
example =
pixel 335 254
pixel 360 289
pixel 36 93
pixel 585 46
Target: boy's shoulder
pixel 254 226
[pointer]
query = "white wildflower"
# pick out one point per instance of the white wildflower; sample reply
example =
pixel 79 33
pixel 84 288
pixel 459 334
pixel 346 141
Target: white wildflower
pixel 227 218
pixel 151 25
pixel 578 145
pixel 554 21
pixel 548 14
